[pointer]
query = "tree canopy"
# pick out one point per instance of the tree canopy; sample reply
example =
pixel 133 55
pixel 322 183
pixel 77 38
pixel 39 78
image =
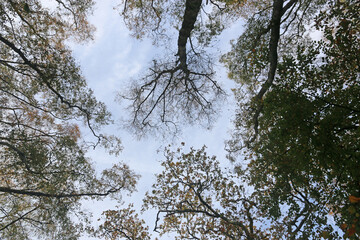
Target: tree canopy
pixel 43 169
pixel 301 132
pixel 295 146
pixel 297 126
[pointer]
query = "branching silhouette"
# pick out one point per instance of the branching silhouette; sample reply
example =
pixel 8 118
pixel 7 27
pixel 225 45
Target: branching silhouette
pixel 179 89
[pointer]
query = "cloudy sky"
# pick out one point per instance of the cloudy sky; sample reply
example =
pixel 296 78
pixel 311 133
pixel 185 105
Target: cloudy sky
pixel 109 63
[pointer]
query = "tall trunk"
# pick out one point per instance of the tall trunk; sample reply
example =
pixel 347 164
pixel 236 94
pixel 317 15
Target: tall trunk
pixel 192 9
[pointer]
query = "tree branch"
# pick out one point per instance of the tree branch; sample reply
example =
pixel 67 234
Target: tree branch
pixel 18 219
pixel 47 83
pixel 273 61
pixel 51 195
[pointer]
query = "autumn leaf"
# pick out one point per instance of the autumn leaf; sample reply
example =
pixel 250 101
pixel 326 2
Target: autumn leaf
pixel 343 226
pixel 351 231
pixel 354 199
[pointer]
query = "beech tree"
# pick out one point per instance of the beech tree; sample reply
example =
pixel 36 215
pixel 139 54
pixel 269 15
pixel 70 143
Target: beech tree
pixel 43 169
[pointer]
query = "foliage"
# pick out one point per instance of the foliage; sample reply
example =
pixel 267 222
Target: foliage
pixel 297 125
pixel 123 224
pixel 43 169
pixel 198 200
pixel 302 134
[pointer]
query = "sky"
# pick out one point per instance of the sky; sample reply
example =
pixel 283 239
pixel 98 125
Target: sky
pixel 109 63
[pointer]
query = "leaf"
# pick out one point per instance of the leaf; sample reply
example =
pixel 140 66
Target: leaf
pixel 26 8
pixel 351 231
pixel 354 199
pixel 343 226
pixel 351 209
pixel 325 234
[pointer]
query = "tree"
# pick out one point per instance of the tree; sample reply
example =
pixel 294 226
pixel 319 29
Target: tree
pixel 299 130
pixel 297 126
pixel 123 224
pixel 44 171
pixel 180 86
pixel 197 199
